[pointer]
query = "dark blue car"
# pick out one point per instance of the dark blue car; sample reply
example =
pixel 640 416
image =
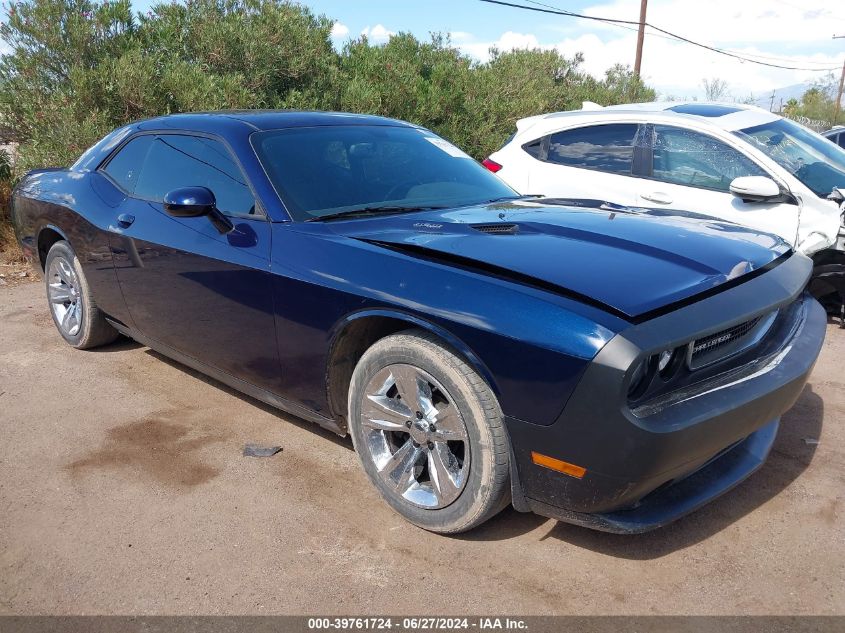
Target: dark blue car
pixel 611 367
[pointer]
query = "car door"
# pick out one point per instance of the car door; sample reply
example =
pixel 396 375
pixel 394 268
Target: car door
pixel 186 285
pixel 692 171
pixel 594 162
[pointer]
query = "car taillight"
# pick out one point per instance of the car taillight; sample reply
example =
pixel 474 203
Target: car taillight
pixel 491 165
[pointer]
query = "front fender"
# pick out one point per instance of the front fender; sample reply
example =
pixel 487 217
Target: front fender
pixel 414 321
pixel 819 225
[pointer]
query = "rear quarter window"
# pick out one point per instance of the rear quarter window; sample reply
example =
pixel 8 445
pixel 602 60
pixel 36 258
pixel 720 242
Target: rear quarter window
pixel 124 168
pixel 534 148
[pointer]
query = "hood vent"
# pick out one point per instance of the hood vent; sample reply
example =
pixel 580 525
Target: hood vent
pixel 497 229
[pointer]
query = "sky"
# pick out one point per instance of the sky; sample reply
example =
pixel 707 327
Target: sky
pixel 785 32
pixel 796 32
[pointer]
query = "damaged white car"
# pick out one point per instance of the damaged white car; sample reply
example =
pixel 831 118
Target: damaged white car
pixel 729 161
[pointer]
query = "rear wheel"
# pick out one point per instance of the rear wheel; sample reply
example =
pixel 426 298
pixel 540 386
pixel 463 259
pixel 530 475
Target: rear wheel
pixel 72 306
pixel 429 433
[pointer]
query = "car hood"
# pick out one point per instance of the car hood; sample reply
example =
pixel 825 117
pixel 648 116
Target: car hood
pixel 630 262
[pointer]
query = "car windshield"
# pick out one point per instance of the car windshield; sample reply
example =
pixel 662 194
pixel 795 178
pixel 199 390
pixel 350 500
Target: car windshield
pixel 815 161
pixel 330 170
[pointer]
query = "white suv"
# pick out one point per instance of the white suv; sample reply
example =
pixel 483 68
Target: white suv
pixel 733 162
pixel 685 156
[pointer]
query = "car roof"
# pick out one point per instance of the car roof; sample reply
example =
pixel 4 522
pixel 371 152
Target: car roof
pixel 266 119
pixel 727 116
pixel 230 124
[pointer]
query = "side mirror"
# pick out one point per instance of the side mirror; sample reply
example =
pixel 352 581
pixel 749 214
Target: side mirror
pixel 194 202
pixel 190 202
pixel 837 195
pixel 756 189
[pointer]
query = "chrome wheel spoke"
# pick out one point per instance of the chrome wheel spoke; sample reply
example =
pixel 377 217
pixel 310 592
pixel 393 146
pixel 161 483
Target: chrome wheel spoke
pixel 449 426
pixel 65 272
pixel 385 414
pixel 413 389
pixel 401 466
pixel 59 293
pixel 444 471
pixel 69 319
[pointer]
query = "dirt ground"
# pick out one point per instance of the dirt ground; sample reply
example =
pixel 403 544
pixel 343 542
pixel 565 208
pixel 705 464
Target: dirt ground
pixel 123 490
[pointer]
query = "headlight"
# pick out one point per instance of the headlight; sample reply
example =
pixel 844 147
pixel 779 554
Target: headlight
pixel 663 360
pixel 664 364
pixel 641 377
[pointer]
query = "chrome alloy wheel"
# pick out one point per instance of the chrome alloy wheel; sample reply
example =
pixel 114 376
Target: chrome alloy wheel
pixel 415 436
pixel 63 292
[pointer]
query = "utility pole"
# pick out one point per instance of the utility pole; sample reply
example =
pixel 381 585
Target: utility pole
pixel 841 84
pixel 638 61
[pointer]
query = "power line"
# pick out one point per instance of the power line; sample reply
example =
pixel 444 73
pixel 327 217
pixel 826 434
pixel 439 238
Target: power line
pixel 672 38
pixel 552 10
pixel 664 34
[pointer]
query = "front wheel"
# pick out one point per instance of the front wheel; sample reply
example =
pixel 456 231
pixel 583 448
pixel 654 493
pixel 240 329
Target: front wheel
pixel 74 311
pixel 429 433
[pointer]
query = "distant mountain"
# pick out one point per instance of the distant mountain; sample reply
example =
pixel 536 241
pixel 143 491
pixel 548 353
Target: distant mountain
pixel 795 91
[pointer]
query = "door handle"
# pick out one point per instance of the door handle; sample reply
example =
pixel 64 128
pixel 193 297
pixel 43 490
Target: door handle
pixel 657 196
pixel 125 220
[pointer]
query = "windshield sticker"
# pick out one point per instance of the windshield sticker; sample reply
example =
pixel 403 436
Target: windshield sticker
pixel 447 147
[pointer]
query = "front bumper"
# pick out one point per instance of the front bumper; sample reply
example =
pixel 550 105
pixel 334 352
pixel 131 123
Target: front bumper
pixel 646 470
pixel 670 503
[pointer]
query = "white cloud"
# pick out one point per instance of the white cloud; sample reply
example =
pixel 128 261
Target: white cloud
pixel 750 28
pixel 377 34
pixel 339 31
pixel 460 36
pixel 509 40
pixel 725 22
pixel 678 69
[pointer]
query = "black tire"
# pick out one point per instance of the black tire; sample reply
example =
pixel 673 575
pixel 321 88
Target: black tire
pixel 92 328
pixel 486 487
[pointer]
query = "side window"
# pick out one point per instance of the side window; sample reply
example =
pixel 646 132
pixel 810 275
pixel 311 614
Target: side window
pixel 125 166
pixel 534 148
pixel 176 161
pixel 684 157
pixel 841 139
pixel 608 148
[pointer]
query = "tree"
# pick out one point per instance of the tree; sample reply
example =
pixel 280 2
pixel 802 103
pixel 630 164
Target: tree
pixel 715 89
pixel 79 68
pixel 817 102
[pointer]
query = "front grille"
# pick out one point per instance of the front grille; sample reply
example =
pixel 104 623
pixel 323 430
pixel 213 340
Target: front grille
pixel 728 342
pixel 725 337
pixel 496 229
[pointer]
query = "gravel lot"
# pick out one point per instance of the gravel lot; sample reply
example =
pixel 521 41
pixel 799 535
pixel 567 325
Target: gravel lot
pixel 123 490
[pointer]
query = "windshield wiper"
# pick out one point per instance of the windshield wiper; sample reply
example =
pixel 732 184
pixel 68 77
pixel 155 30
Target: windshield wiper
pixel 370 211
pixel 512 198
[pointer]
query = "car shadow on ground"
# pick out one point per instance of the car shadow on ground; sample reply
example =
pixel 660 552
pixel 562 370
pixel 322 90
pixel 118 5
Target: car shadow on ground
pixel 290 418
pixel 791 454
pixel 121 344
